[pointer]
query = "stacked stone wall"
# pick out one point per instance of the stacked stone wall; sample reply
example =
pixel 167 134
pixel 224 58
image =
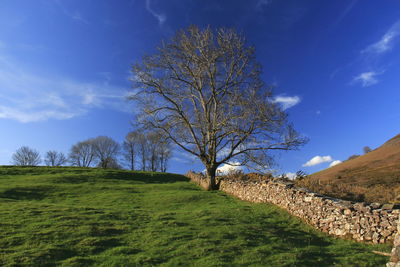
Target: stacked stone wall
pixel 395 257
pixel 373 223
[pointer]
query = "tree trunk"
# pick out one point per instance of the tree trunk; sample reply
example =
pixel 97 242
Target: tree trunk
pixel 211 176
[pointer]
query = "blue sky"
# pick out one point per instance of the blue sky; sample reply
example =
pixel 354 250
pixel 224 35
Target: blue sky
pixel 64 69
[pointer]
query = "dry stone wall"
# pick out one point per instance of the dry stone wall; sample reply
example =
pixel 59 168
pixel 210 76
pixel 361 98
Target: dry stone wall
pixel 395 258
pixel 374 222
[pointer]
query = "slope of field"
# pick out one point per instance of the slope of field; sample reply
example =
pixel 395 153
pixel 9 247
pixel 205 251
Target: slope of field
pixel 92 217
pixel 373 177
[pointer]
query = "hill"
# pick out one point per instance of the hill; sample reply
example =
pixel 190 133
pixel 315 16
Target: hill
pixel 93 217
pixel 373 177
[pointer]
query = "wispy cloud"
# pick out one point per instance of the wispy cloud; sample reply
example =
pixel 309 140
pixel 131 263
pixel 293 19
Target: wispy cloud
pixel 40 115
pixel 287 101
pixel 386 42
pixel 74 15
pixel 159 16
pixel 77 16
pixel 27 96
pixel 367 78
pixel 345 12
pixel 262 3
pixel 184 157
pixel 317 160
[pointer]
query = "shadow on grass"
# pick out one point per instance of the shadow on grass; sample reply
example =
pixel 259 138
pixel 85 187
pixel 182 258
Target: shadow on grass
pixel 27 193
pixel 94 245
pixel 40 170
pixel 48 257
pixel 72 179
pixel 81 175
pixel 271 237
pixel 145 177
pixel 313 249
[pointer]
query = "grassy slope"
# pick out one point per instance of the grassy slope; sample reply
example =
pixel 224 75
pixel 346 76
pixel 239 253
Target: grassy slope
pixel 82 217
pixel 373 177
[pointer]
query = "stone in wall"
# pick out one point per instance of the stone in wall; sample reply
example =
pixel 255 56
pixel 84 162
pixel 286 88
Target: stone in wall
pixel 395 257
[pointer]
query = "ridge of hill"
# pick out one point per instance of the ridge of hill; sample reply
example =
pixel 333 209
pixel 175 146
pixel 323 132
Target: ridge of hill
pixel 372 177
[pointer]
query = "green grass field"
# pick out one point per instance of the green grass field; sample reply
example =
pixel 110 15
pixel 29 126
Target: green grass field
pixel 92 217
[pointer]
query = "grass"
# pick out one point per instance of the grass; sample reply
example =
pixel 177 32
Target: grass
pixel 91 217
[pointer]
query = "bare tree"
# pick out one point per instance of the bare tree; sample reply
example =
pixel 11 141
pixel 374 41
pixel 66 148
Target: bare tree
pixel 110 163
pixel 143 150
pixel 82 154
pixel 26 156
pixel 367 149
pixel 106 150
pixel 54 158
pixel 153 149
pixel 129 147
pixel 164 154
pixel 203 90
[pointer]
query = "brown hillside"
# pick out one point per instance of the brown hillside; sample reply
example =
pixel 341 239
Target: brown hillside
pixel 373 177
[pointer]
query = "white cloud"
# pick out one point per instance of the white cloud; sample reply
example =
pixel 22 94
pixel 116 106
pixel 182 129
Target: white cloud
pixel 287 101
pixel 232 166
pixel 27 96
pixel 335 162
pixel 159 16
pixel 290 175
pixel 317 160
pixel 386 42
pixel 367 78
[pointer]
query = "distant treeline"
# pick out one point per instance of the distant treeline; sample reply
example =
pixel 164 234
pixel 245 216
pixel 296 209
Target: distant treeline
pixel 144 150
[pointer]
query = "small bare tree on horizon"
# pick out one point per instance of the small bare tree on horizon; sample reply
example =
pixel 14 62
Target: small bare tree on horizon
pixel 82 154
pixel 150 148
pixel 55 158
pixel 203 90
pixel 106 151
pixel 26 156
pixel 129 147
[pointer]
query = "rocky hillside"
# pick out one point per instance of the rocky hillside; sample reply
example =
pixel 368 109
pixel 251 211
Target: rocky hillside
pixel 373 177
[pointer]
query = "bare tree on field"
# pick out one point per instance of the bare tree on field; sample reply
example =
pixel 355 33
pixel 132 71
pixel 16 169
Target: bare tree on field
pixel 26 156
pixel 111 163
pixel 164 154
pixel 130 147
pixel 367 149
pixel 160 150
pixel 54 158
pixel 203 90
pixel 106 150
pixel 82 154
pixel 143 150
pixel 153 149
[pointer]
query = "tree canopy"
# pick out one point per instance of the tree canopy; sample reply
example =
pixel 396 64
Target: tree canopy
pixel 203 89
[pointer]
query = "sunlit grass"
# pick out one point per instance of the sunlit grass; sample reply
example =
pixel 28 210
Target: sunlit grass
pixel 83 217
